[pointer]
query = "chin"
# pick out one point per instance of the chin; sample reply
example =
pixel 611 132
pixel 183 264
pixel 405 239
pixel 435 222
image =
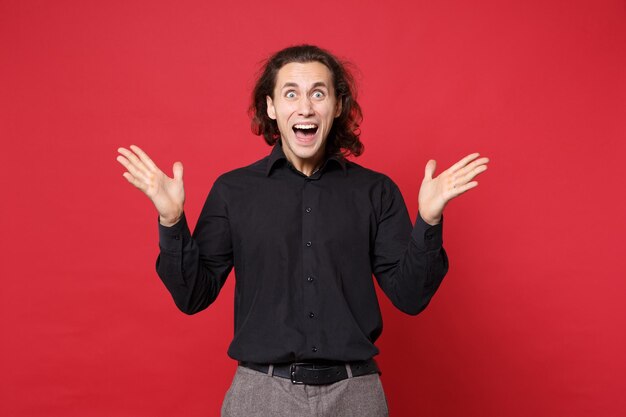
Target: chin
pixel 309 152
pixel 303 150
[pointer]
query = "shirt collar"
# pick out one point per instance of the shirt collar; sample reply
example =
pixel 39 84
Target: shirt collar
pixel 278 154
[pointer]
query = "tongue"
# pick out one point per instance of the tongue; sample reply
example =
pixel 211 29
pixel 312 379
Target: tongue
pixel 305 133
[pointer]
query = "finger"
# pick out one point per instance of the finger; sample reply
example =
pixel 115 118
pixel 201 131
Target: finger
pixel 178 171
pixel 470 167
pixel 132 180
pixel 463 162
pixel 136 162
pixel 429 170
pixel 133 159
pixel 135 182
pixel 471 174
pixel 138 174
pixel 144 157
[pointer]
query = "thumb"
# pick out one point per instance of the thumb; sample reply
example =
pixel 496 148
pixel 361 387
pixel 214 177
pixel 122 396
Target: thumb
pixel 178 170
pixel 429 171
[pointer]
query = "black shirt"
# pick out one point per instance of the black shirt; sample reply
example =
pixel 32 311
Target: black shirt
pixel 304 250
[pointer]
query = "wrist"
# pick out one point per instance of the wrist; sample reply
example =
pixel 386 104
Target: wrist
pixel 431 220
pixel 169 221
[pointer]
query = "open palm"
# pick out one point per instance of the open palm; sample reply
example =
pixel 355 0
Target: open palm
pixel 436 192
pixel 167 194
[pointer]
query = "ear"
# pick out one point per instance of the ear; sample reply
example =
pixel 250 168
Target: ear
pixel 339 107
pixel 271 111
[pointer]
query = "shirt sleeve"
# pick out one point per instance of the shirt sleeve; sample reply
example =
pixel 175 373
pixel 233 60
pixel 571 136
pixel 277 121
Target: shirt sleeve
pixel 408 263
pixel 195 267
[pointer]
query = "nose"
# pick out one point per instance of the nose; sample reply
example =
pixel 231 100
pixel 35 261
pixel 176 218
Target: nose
pixel 305 107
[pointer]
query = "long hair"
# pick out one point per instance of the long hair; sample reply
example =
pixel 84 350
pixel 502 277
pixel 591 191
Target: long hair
pixel 343 138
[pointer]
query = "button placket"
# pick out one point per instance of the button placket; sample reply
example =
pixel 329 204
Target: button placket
pixel 310 197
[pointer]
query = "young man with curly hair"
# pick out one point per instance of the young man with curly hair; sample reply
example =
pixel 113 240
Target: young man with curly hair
pixel 305 229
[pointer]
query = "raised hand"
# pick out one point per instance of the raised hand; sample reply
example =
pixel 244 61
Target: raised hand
pixel 167 194
pixel 435 193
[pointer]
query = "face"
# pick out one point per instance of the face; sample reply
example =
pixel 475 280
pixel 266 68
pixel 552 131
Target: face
pixel 304 107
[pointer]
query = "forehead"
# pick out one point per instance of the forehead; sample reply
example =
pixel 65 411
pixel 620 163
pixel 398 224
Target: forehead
pixel 304 74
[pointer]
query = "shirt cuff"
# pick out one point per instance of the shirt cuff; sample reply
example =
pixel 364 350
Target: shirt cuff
pixel 426 236
pixel 172 238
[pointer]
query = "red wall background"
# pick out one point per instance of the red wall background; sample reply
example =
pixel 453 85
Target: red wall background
pixel 530 319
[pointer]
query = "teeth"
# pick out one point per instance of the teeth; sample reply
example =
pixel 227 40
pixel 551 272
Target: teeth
pixel 305 126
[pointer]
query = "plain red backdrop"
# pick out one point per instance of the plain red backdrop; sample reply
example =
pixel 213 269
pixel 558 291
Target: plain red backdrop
pixel 530 319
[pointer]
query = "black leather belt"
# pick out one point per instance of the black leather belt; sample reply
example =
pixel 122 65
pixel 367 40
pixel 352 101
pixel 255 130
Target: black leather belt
pixel 316 373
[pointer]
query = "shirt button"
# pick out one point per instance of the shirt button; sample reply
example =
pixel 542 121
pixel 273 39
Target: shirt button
pixel 311 315
pixel 308 209
pixel 314 349
pixel 177 237
pixel 309 244
pixel 310 279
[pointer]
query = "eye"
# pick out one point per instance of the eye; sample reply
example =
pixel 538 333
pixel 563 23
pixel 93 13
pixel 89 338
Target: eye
pixel 290 94
pixel 318 94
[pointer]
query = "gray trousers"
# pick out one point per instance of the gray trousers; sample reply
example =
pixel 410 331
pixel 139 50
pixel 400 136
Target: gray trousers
pixel 255 394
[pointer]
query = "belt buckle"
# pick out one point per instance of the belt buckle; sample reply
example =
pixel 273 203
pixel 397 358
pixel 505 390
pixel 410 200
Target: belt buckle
pixel 292 372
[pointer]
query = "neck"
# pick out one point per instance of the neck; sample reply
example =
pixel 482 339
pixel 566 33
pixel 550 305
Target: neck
pixel 307 166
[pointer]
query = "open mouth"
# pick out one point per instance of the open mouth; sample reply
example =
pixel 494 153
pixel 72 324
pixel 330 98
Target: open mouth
pixel 305 131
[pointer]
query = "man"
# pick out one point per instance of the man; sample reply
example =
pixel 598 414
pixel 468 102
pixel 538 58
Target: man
pixel 305 229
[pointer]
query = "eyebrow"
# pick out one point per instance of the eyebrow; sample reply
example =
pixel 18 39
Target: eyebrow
pixel 315 85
